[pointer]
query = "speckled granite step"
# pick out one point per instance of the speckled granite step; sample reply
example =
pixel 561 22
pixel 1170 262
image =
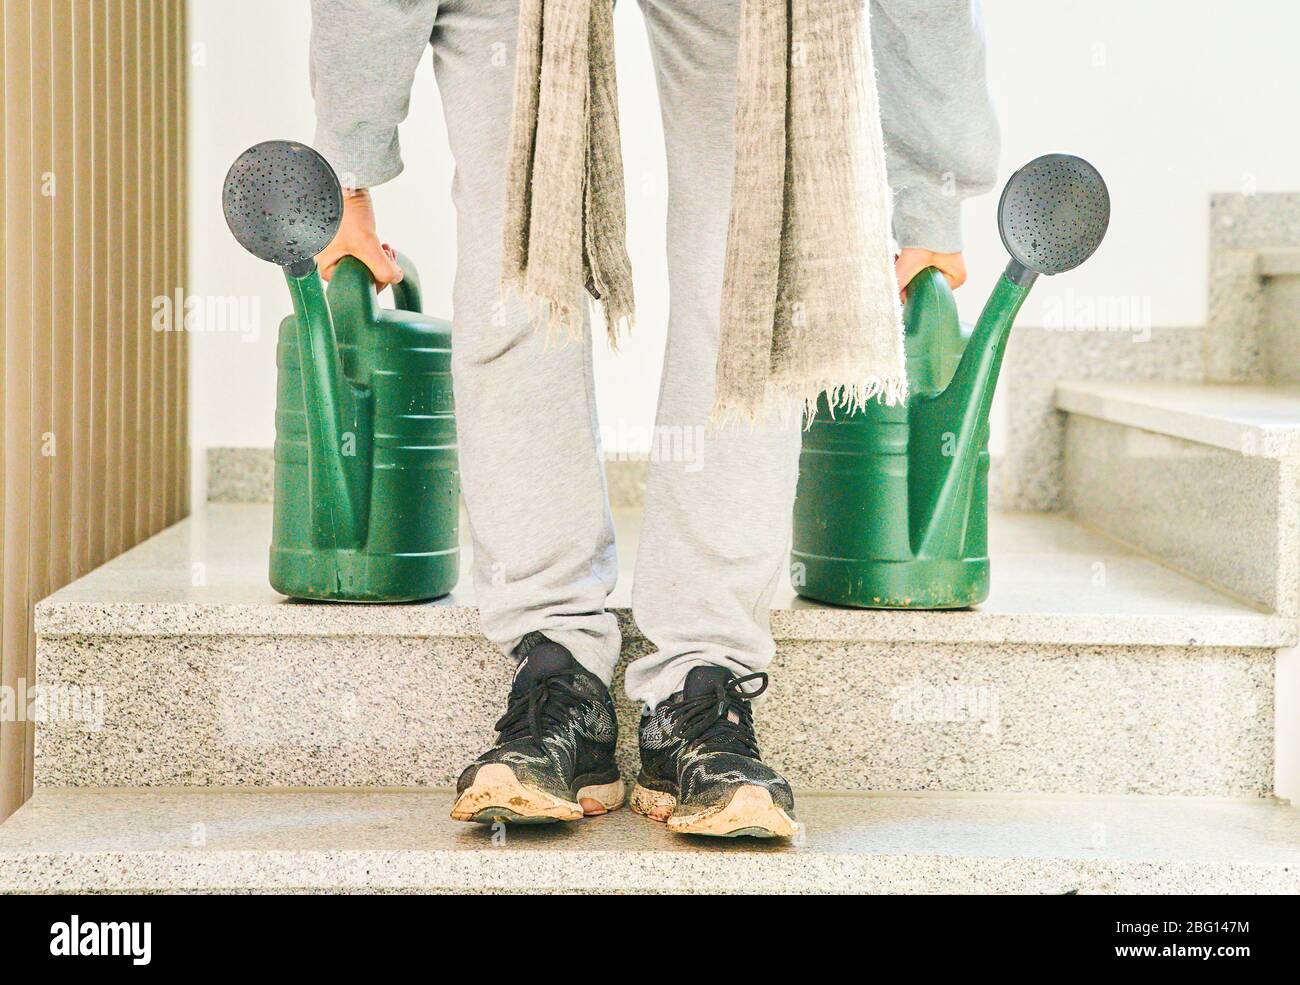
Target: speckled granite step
pixel 401 841
pixel 1089 670
pixel 1205 477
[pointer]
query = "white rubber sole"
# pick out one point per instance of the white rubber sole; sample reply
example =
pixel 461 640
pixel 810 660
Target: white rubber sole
pixel 750 812
pixel 497 795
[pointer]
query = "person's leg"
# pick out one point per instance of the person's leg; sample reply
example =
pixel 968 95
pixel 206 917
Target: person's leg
pixel 530 457
pixel 718 504
pixel 530 463
pixel 717 526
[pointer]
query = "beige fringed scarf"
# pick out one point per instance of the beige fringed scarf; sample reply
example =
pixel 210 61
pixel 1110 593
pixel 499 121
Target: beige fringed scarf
pixel 809 299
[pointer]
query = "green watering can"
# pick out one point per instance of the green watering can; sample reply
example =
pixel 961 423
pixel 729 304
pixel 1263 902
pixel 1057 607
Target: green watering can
pixel 366 482
pixel 892 503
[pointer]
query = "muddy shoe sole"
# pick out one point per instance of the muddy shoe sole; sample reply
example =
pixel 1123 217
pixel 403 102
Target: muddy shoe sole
pixel 750 812
pixel 497 795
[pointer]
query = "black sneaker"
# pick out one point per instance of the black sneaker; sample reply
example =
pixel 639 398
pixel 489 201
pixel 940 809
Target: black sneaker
pixel 700 767
pixel 554 756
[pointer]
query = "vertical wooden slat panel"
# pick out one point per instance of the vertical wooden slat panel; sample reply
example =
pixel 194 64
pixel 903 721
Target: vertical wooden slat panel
pixel 157 376
pixel 8 730
pixel 144 273
pixel 102 293
pixel 115 278
pixel 144 269
pixel 60 281
pixel 41 438
pixel 92 225
pixel 11 765
pixel 174 90
pixel 82 283
pixel 128 334
pixel 176 68
pixel 180 223
pixel 167 97
pixel 19 298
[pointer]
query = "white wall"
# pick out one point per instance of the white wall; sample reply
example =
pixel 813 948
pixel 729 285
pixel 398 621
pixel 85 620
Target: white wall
pixel 1172 99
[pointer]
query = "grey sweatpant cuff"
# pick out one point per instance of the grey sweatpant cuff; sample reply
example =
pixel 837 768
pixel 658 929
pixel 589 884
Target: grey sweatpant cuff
pixel 648 690
pixel 597 652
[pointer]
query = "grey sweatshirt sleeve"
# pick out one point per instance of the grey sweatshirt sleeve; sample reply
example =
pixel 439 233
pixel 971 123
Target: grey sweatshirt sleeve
pixel 363 59
pixel 941 134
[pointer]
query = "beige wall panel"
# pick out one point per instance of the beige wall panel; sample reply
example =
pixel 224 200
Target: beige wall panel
pixel 92 228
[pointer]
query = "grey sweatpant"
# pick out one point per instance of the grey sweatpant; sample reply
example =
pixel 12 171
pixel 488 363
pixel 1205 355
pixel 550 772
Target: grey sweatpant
pixel 714 541
pixel 717 517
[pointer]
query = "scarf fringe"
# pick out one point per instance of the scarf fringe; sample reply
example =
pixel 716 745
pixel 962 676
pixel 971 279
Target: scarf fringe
pixel 781 400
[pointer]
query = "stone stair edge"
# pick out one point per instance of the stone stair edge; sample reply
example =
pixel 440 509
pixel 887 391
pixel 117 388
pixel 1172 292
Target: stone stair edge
pixel 1171 409
pixel 1245 630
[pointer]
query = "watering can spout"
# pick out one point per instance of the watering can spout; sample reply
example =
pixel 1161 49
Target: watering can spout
pixel 1052 216
pixel 338 421
pixel 949 429
pixel 283 203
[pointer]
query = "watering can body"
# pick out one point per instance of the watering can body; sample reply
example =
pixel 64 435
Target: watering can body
pixel 366 482
pixel 892 504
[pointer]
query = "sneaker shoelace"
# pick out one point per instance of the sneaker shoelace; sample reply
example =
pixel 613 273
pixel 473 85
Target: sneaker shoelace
pixel 723 718
pixel 546 701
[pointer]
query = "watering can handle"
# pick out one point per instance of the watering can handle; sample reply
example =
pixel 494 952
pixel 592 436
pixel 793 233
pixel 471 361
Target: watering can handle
pixel 928 298
pixel 353 281
pixel 406 293
pixel 916 278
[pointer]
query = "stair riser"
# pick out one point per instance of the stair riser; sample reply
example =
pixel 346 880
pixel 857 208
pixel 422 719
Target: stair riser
pixel 394 711
pixel 247 475
pixel 1226 518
